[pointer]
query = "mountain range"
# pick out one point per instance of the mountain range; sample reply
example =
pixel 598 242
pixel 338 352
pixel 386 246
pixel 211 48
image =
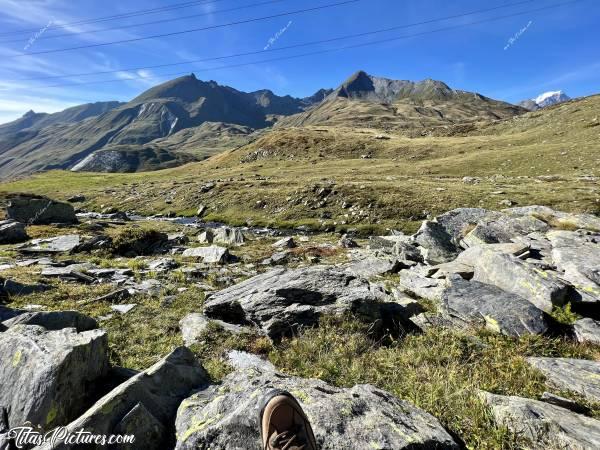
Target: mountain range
pixel 187 119
pixel 544 100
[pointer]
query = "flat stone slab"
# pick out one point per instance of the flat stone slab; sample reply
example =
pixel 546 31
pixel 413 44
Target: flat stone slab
pixel 225 416
pixel 546 425
pixel 59 244
pixel 577 375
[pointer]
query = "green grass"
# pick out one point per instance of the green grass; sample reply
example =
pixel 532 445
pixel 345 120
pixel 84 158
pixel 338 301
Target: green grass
pixel 439 371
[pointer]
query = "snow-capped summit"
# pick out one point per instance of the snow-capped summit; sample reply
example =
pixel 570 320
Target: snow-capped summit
pixel 545 99
pixel 551 98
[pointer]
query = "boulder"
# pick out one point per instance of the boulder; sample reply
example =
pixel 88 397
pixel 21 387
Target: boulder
pixel 566 403
pixel 206 237
pixel 370 267
pixel 228 236
pixel 32 209
pixel 577 256
pixel 436 244
pixel 456 223
pixel 567 374
pixel 59 244
pixel 12 232
pixel 347 242
pixel 194 325
pixel 587 330
pixel 210 255
pixel 286 242
pixel 54 320
pixel 509 273
pixel 281 300
pixel 545 425
pixel 46 376
pixel 10 288
pixel 226 416
pixel 474 304
pixel 145 404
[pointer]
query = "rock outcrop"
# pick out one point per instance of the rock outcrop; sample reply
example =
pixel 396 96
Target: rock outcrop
pixel 37 210
pixel 226 416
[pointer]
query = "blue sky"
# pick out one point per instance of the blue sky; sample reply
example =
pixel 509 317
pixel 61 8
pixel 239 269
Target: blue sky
pixel 552 49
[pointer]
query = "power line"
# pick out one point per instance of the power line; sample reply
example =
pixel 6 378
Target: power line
pixel 141 12
pixel 193 30
pixel 318 52
pixel 154 22
pixel 279 49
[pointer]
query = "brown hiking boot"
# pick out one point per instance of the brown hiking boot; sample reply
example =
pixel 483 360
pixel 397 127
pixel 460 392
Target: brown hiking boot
pixel 284 426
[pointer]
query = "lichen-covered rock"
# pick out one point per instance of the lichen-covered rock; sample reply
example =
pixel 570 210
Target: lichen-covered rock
pixel 558 219
pixel 281 300
pixel 370 267
pixel 458 221
pixel 418 285
pixel 47 376
pixel 226 417
pixel 12 232
pixel 143 402
pixel 32 209
pixel 568 374
pixel 545 425
pixel 474 304
pixel 542 288
pixel 577 256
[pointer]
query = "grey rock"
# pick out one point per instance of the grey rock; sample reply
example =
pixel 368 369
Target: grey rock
pixel 281 300
pixel 159 389
pixel 407 252
pixel 243 361
pixel 54 320
pixel 417 285
pixel 46 375
pixel 59 244
pixel 577 256
pixel 37 210
pixel 228 236
pixel 76 199
pixel 558 219
pixel 567 374
pixel 347 242
pixel 458 221
pixel 587 330
pixel 123 309
pixel 276 259
pixel 448 269
pixel 545 425
pixel 436 243
pixel 12 232
pixel 142 424
pixel 370 267
pixel 149 286
pixel 566 403
pixel 202 210
pixel 542 288
pixel 194 325
pixel 210 255
pixel 162 264
pixel 177 239
pixel 474 304
pixel 286 242
pixel 225 417
pixel 118 295
pixel 206 237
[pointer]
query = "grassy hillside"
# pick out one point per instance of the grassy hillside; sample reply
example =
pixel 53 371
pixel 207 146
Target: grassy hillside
pixel 365 177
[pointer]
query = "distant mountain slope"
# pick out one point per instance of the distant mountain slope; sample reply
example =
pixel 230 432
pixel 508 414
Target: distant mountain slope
pixel 544 100
pixel 369 101
pixel 40 142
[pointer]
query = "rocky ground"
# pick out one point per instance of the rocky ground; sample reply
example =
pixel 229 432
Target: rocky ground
pixel 481 330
